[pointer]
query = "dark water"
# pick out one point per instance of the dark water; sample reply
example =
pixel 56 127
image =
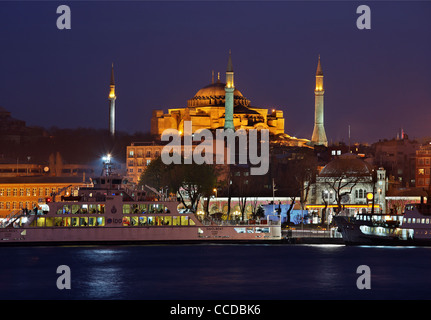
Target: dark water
pixel 215 272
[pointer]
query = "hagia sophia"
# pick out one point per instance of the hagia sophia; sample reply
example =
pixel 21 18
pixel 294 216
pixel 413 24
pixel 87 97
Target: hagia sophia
pixel 207 109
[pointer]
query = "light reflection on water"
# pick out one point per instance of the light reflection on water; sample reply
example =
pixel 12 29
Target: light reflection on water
pixel 215 272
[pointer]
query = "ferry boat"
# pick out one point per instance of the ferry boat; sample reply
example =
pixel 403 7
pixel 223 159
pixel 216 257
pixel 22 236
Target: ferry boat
pixel 412 228
pixel 109 213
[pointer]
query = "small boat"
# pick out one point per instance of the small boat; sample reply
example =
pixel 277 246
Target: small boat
pixel 412 228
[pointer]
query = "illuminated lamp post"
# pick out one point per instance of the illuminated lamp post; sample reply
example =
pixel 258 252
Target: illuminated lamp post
pixel 215 191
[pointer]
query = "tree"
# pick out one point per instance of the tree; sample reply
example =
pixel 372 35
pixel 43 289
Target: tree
pixel 189 181
pixel 342 186
pixel 155 174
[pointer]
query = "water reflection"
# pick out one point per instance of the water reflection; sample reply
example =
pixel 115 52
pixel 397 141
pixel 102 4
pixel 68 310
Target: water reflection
pixel 103 283
pixel 101 274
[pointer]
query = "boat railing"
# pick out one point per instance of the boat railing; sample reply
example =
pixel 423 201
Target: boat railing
pixel 11 218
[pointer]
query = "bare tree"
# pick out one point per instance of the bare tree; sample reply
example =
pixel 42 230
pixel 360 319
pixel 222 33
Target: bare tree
pixel 342 186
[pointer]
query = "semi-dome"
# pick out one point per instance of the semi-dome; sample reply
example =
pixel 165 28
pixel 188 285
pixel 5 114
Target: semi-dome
pixel 347 165
pixel 214 95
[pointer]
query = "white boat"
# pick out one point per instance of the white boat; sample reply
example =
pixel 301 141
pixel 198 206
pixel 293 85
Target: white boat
pixel 108 213
pixel 412 228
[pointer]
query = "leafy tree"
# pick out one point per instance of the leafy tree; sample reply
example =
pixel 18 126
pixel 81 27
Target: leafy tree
pixel 189 181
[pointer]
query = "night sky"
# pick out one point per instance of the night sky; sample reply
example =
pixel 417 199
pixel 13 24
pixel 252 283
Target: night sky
pixel 377 81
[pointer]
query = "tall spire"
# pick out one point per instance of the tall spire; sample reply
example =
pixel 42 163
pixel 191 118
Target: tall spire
pixel 229 90
pixel 319 71
pixel 229 63
pixel 319 134
pixel 112 75
pixel 112 98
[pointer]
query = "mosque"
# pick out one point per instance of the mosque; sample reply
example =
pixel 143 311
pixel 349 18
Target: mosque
pixel 218 106
pixel 221 105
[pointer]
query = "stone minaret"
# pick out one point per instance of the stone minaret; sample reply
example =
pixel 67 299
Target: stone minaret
pixel 112 98
pixel 319 135
pixel 229 89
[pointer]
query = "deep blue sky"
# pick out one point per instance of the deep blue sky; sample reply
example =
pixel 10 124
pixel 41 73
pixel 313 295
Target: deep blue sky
pixel 376 80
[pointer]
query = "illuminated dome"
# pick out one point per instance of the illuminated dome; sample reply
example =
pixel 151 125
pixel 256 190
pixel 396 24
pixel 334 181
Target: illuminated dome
pixel 214 95
pixel 347 165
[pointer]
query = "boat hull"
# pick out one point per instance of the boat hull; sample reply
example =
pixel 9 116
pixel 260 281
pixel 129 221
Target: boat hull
pixel 138 235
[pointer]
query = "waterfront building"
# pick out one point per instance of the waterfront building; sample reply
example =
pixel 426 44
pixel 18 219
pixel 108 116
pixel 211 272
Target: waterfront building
pixel 350 182
pixel 423 167
pixel 26 192
pixel 398 157
pixel 139 156
pixel 17 169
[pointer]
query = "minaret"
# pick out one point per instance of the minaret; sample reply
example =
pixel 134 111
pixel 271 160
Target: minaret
pixel 229 89
pixel 112 98
pixel 319 135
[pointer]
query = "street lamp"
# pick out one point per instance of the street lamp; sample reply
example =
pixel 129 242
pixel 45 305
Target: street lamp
pixel 215 191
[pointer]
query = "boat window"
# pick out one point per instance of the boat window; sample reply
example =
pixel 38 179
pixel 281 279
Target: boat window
pixel 423 220
pixel 133 221
pixel 83 222
pixel 142 221
pixel 66 209
pixel 75 208
pixel 60 211
pixel 100 221
pixel 167 221
pixel 414 220
pixel 126 208
pixel 40 221
pixel 159 221
pixel 409 220
pixel 92 222
pixel 427 221
pixel 126 221
pixel 150 220
pixel 84 208
pixel 58 221
pixel 135 208
pixel 101 208
pixel 75 222
pixel 184 220
pixel 92 208
pixel 191 222
pixel 175 221
pixel 66 222
pixel 143 208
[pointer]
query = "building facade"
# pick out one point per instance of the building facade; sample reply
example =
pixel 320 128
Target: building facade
pixel 423 167
pixel 139 156
pixel 398 157
pixel 212 105
pixel 350 182
pixel 27 192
